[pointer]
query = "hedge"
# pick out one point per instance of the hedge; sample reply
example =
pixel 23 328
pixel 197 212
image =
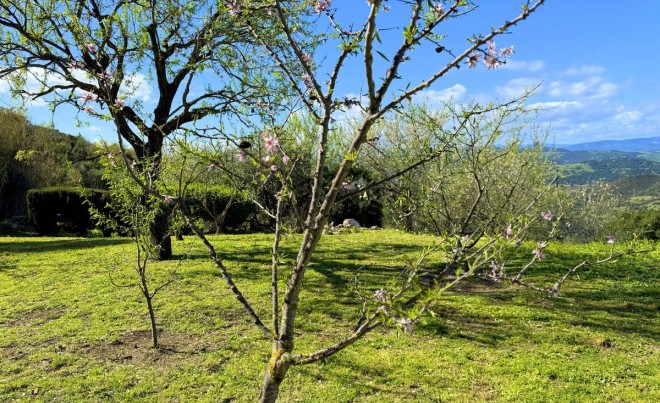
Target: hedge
pixel 208 203
pixel 63 208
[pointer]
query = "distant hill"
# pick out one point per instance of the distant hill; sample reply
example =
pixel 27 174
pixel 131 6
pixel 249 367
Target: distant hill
pixel 605 169
pixel 608 160
pixel 640 191
pixel 563 156
pixel 646 144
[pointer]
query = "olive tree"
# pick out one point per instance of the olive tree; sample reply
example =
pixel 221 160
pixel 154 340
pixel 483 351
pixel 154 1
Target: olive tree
pixel 489 169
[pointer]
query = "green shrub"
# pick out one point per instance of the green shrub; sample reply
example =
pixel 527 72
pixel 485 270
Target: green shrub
pixel 63 208
pixel 363 207
pixel 644 224
pixel 209 204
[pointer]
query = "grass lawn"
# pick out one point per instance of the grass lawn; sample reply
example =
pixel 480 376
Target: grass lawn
pixel 68 334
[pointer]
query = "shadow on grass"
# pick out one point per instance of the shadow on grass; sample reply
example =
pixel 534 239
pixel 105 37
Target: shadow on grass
pixel 51 244
pixel 621 311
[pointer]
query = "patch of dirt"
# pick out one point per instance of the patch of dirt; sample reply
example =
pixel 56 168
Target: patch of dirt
pixel 135 348
pixel 36 317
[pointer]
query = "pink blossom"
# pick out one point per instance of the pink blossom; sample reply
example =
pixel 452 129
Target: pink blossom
pixel 262 104
pixel 547 215
pixel 234 8
pixel 538 254
pixel 286 160
pixel 472 60
pixel 491 62
pixel 169 199
pixel 438 10
pixel 110 156
pixel 492 48
pixel 120 103
pixel 87 97
pixel 541 245
pixel 266 160
pixel 321 5
pixel 506 52
pixel 241 157
pixel 273 168
pixel 106 76
pixel 508 232
pixel 91 48
pixel 213 166
pixel 73 64
pixel 611 239
pixel 88 109
pixel 307 80
pixel 271 144
pixel 307 59
pixel 381 295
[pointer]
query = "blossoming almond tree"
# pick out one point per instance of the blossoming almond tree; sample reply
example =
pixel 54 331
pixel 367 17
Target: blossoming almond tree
pixel 101 57
pixel 423 26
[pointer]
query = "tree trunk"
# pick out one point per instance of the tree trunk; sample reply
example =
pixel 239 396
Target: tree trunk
pixel 152 318
pixel 275 372
pixel 160 227
pixel 160 237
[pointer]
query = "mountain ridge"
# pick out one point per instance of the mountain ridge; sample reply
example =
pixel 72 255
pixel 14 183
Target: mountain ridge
pixel 642 144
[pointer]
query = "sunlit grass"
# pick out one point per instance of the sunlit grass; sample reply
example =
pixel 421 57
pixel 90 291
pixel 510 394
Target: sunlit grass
pixel 69 334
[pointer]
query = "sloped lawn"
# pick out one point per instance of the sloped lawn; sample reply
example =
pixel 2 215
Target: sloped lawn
pixel 72 328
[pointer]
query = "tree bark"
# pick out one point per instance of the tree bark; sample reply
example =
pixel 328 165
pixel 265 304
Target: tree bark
pixel 152 319
pixel 160 237
pixel 275 372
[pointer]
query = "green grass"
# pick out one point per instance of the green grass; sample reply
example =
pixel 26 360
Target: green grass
pixel 66 330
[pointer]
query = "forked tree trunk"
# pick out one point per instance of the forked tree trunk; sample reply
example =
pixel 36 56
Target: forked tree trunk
pixel 275 372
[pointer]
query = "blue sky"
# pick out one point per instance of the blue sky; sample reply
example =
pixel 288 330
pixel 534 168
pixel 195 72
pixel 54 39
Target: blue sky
pixel 595 61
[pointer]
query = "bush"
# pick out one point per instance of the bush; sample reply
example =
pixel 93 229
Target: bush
pixel 209 204
pixel 63 208
pixel 364 207
pixel 644 224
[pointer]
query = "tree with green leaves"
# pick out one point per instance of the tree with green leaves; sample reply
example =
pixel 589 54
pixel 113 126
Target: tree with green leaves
pixel 97 56
pixel 33 156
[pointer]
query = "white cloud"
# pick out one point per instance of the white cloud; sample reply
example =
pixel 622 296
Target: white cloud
pixel 137 86
pixel 556 105
pixel 585 71
pixel 522 65
pixel 628 117
pixel 516 87
pixel 457 92
pixel 594 87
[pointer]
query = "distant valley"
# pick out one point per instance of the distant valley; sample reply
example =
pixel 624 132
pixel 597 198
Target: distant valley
pixel 631 166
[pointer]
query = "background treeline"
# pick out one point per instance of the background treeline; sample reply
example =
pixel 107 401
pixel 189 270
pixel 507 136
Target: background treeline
pixel 478 177
pixel 33 156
